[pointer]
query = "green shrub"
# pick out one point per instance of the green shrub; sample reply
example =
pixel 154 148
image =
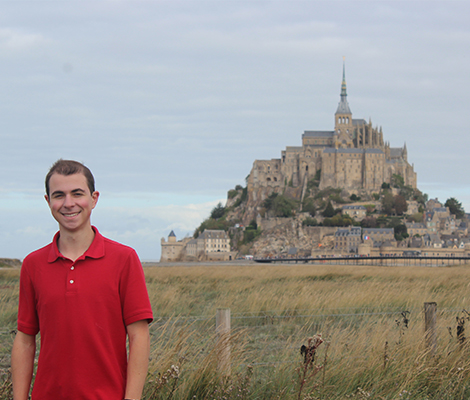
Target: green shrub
pixel 280 206
pixel 310 222
pixel 232 193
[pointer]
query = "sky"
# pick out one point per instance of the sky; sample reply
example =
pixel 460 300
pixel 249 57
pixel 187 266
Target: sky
pixel 170 102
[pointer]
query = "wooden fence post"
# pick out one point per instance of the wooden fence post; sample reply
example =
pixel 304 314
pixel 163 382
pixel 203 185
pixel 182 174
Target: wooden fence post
pixel 430 331
pixel 222 329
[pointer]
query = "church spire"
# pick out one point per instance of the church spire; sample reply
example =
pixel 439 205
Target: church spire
pixel 343 83
pixel 343 106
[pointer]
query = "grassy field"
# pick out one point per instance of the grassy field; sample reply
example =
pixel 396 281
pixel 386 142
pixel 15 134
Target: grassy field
pixel 370 320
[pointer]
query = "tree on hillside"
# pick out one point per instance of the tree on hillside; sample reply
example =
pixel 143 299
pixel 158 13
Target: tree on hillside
pixel 393 204
pixel 420 197
pixel 400 204
pixel 455 207
pixel 416 217
pixel 369 222
pixel 284 207
pixel 382 221
pixel 309 206
pixel 397 181
pixel 385 185
pixel 339 220
pixel 387 203
pixel 329 210
pixel 268 203
pixel 280 206
pixel 251 232
pixel 407 192
pixel 400 232
pixel 218 211
pixel 309 222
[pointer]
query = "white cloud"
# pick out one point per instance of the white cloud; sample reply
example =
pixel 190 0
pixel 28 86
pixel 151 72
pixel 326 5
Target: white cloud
pixel 17 40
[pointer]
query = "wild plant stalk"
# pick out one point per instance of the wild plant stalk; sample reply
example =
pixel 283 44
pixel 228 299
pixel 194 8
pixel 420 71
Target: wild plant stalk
pixel 325 362
pixel 168 378
pixel 6 390
pixel 309 370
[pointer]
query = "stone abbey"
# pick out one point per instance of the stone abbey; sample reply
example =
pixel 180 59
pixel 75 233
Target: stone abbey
pixel 353 157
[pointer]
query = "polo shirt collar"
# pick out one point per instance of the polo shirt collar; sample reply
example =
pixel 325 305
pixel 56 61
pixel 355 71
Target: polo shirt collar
pixel 96 249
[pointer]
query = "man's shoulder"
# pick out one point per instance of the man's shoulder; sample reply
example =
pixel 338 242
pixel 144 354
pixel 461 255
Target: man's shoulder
pixel 41 253
pixel 37 258
pixel 117 246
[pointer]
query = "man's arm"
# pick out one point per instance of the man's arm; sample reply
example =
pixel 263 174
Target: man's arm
pixel 22 364
pixel 139 352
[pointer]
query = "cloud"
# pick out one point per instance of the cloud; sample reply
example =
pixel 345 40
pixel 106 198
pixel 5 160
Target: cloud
pixel 142 227
pixel 15 40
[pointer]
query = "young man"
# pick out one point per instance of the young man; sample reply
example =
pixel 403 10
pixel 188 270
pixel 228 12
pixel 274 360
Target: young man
pixel 85 295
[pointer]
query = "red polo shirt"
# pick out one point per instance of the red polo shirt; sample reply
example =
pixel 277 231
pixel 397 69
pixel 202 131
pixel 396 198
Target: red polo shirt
pixel 81 310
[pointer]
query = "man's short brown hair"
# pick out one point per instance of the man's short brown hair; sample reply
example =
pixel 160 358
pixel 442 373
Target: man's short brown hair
pixel 70 167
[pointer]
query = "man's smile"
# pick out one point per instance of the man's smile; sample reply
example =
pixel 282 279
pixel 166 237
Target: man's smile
pixel 71 214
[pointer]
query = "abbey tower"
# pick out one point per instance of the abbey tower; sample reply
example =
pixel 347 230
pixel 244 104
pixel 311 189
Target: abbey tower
pixel 353 157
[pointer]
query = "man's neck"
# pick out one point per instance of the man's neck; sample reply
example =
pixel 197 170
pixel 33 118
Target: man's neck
pixel 74 244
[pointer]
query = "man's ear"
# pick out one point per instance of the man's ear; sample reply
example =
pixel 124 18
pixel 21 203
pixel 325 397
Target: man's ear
pixel 47 199
pixel 95 195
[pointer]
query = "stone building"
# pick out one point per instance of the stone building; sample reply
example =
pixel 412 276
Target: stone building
pixel 354 211
pixel 172 250
pixel 416 228
pixel 379 236
pixel 347 240
pixel 209 245
pixel 213 241
pixel 353 157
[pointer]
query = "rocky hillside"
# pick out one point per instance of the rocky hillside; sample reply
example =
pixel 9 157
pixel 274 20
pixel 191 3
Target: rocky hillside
pixel 279 224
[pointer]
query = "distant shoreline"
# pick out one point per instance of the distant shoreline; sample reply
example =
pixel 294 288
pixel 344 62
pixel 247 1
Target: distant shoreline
pixel 150 264
pixel 10 263
pixel 15 263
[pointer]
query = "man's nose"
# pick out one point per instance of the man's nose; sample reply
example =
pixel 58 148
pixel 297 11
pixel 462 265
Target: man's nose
pixel 68 201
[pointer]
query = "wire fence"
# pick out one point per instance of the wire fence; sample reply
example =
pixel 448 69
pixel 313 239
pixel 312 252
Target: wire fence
pixel 273 337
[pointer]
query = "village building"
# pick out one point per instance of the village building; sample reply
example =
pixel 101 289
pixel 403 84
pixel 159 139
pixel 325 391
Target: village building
pixel 210 245
pixel 379 236
pixel 412 207
pixel 347 240
pixel 447 225
pixel 172 250
pixel 213 241
pixel 432 221
pixel 432 204
pixel 356 212
pixel 416 229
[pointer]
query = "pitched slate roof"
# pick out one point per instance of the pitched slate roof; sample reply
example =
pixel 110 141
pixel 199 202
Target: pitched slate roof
pixel 353 151
pixel 327 134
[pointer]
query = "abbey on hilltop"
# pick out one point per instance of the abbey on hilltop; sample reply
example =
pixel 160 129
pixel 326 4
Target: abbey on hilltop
pixel 353 157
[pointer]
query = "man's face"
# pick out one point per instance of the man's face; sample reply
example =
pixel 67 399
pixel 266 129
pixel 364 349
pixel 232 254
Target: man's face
pixel 70 201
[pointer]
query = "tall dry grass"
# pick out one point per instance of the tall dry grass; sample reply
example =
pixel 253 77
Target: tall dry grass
pixel 372 348
pixel 201 290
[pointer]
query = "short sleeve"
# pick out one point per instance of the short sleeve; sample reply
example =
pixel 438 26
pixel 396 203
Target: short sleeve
pixel 135 301
pixel 28 321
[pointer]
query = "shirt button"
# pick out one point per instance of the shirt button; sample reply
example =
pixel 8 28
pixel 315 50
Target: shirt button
pixel 71 280
pixel 72 268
